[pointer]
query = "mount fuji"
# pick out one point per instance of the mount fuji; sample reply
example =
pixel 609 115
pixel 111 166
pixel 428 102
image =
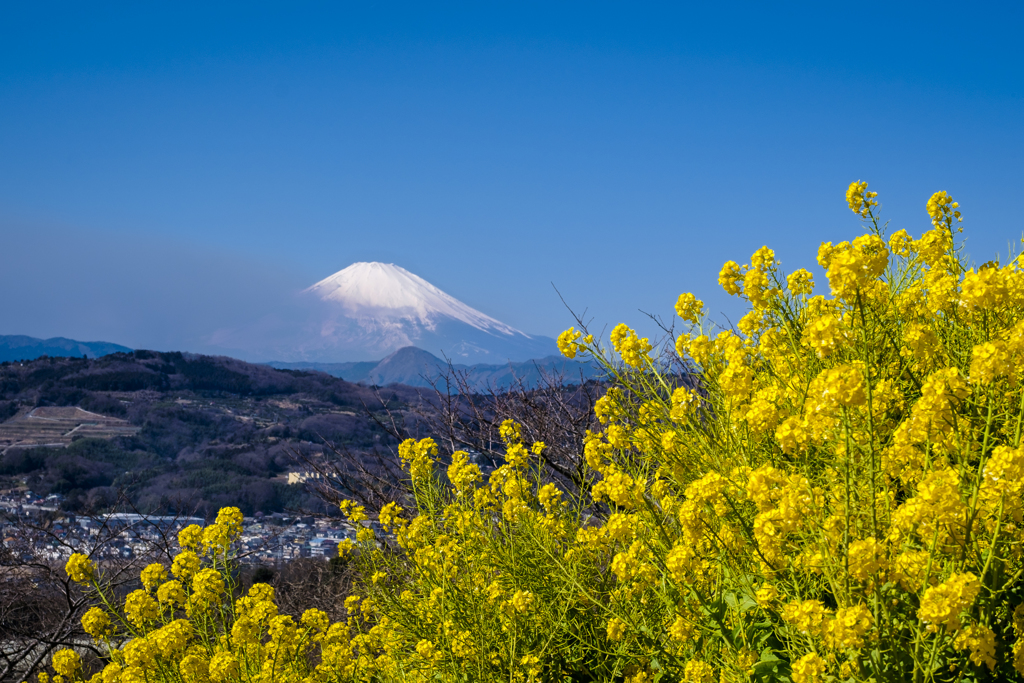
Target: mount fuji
pixel 370 310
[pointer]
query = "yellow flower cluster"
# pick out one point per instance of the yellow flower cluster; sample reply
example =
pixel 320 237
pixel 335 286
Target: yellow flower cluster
pixel 848 627
pixel 463 473
pixel 853 269
pixel 944 604
pixel 418 456
pixel 866 559
pixel 389 514
pixel 800 282
pixel 809 669
pixel 140 608
pixel 153 575
pixel 824 334
pixel 96 623
pixel 941 207
pixel 634 350
pixel 569 342
pixel 689 308
pixel 807 616
pixel 697 671
pixel 901 244
pixel 616 629
pixel 834 494
pixel 191 629
pixel 66 663
pixel 860 201
pixel 80 568
pixel 980 641
pixel 862 449
pixel 729 278
pixel 758 282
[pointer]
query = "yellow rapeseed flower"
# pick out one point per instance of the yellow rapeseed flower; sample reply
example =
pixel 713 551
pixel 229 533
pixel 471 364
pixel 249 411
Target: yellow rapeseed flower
pixel 190 537
pixel 96 622
pixel 616 629
pixel 696 671
pixel 140 608
pixel 729 277
pixel 185 564
pixel 66 663
pixel 634 350
pixel 809 669
pixel 80 568
pixel 859 199
pixel 568 342
pixel 800 282
pixel 153 575
pixel 689 308
pixel 942 605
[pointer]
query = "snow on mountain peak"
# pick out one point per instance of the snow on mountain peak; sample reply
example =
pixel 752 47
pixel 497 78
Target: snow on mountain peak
pixel 389 291
pixel 370 310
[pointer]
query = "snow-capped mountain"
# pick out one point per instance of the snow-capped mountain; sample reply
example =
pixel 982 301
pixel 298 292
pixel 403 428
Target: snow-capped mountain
pixel 378 308
pixel 370 310
pixel 384 291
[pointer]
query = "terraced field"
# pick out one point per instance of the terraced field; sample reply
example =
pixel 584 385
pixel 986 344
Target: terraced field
pixel 59 426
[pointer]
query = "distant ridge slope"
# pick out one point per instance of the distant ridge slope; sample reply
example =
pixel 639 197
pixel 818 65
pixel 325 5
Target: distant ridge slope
pixel 19 347
pixel 418 368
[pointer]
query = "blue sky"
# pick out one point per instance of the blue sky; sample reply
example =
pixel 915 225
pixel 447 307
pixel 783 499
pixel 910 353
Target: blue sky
pixel 164 169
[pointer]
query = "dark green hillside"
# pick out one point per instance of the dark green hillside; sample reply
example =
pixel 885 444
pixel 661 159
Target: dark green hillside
pixel 178 431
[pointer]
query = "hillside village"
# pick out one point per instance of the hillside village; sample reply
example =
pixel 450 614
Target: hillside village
pixel 34 528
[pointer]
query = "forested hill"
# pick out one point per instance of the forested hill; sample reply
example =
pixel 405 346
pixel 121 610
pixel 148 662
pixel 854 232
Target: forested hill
pixel 176 430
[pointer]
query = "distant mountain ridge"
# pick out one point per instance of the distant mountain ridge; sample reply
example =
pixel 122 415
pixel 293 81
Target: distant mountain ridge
pixel 20 347
pixel 418 368
pixel 410 366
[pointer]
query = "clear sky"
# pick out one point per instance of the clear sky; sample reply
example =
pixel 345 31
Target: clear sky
pixel 167 168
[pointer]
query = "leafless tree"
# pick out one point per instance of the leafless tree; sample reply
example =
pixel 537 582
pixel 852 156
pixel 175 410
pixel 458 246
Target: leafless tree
pixel 558 411
pixel 306 583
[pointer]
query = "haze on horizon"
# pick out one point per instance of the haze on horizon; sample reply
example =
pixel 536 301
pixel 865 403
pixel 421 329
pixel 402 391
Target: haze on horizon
pixel 167 172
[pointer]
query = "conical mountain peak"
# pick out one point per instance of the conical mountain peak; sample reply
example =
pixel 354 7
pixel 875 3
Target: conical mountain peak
pixel 384 290
pixel 370 310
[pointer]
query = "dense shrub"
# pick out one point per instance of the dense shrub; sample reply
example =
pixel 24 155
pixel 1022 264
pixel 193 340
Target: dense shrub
pixel 838 498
